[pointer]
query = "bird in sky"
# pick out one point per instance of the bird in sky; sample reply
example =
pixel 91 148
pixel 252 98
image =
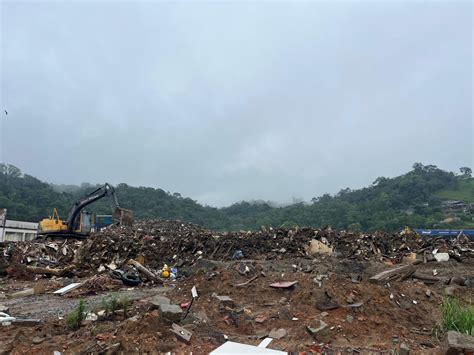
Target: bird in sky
pixel 6 112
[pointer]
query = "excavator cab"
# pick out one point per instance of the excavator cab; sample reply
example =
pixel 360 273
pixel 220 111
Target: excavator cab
pixel 86 222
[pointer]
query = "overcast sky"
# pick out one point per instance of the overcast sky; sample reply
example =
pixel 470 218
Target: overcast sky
pixel 225 101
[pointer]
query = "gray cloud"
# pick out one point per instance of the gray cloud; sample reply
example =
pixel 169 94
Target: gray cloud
pixel 229 101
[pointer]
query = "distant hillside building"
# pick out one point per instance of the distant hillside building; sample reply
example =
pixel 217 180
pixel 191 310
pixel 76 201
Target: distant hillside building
pixel 455 206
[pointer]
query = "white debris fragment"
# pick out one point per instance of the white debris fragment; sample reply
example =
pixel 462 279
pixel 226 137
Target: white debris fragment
pixel 441 257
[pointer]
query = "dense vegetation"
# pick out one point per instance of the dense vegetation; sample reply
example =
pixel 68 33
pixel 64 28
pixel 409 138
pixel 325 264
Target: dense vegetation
pixel 456 316
pixel 27 198
pixel 412 199
pixel 463 191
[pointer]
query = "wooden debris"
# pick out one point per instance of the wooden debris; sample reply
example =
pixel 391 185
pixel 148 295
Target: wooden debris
pixel 35 290
pixel 425 278
pixel 16 269
pixel 247 282
pixel 149 275
pixel 48 271
pixel 393 273
pixel 182 333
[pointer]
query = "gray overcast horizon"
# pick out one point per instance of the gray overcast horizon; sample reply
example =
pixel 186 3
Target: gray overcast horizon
pixel 230 101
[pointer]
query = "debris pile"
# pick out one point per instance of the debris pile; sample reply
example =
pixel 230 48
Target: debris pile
pixel 41 254
pixel 179 244
pixel 156 241
pixel 16 257
pixel 393 246
pixel 178 287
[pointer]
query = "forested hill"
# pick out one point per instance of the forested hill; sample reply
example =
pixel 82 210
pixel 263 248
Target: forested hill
pixel 414 199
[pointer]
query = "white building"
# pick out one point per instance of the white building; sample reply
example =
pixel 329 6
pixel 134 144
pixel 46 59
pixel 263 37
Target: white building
pixel 16 231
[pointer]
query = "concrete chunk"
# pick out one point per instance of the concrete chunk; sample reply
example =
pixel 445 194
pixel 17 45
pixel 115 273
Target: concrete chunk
pixel 170 313
pixel 277 333
pixel 458 343
pixel 38 340
pixel 158 300
pixel 314 331
pixel 225 301
pixel 404 349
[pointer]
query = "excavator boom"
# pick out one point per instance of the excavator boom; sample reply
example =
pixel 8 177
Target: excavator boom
pixel 72 219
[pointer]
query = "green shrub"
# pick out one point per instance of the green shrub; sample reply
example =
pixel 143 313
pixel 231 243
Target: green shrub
pixel 456 317
pixel 110 304
pixel 125 303
pixel 113 303
pixel 75 318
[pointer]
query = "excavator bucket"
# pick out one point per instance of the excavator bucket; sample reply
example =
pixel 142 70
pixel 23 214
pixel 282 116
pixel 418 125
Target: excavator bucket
pixel 123 217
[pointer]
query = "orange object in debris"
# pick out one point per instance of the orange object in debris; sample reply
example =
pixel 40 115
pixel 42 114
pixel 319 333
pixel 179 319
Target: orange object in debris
pixel 140 259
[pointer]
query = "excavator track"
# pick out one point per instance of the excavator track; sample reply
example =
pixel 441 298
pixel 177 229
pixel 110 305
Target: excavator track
pixel 58 237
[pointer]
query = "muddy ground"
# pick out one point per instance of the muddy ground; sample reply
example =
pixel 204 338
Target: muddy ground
pixel 367 317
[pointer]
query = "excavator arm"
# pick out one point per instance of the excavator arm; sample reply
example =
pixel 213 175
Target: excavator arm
pixel 72 220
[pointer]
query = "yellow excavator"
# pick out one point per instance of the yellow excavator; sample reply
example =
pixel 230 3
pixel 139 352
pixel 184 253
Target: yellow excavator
pixel 75 226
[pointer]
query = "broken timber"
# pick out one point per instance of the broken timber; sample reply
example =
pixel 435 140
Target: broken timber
pixel 48 271
pixel 42 270
pixel 425 278
pixel 150 276
pixel 405 270
pixel 247 282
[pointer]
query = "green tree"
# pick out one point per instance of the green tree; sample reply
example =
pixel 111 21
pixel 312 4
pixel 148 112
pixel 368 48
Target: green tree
pixel 466 172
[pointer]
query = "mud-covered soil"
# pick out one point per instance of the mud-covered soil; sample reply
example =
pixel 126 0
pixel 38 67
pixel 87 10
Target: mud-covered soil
pixel 367 318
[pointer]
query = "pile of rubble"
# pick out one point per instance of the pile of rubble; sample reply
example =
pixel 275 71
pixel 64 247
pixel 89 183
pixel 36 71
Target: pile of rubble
pixel 42 255
pixel 176 243
pixel 160 242
pixel 393 246
pixel 157 241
